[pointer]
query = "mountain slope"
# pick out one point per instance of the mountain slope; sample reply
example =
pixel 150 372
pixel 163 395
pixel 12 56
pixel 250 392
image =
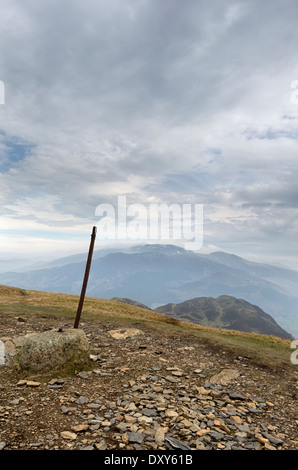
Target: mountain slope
pixel 23 306
pixel 159 274
pixel 177 373
pixel 225 312
pixel 131 302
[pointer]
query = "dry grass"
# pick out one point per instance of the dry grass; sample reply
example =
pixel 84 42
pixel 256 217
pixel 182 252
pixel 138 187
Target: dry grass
pixel 67 304
pixel 15 300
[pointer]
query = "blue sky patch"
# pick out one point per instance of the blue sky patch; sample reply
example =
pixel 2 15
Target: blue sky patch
pixel 12 151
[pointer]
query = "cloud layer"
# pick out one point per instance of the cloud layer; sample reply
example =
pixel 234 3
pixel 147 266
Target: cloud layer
pixel 168 101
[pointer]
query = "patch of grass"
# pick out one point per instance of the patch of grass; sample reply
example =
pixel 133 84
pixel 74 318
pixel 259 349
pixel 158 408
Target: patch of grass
pixel 22 292
pixel 267 349
pixel 272 349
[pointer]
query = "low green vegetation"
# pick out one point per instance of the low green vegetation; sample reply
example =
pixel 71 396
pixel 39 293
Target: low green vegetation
pixel 225 312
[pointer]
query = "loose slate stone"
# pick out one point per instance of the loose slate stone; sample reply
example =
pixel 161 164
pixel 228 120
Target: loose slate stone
pixel 80 427
pixel 256 410
pixel 21 383
pixel 137 437
pixel 175 444
pixel 82 400
pixel 216 435
pixel 16 401
pixel 171 414
pixel 31 383
pixel 125 333
pixel 236 396
pixel 272 439
pixel 224 377
pixel 102 445
pixel 68 435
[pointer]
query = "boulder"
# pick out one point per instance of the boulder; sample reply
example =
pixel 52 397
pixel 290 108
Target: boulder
pixel 53 349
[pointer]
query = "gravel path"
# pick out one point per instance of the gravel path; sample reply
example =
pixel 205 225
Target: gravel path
pixel 160 389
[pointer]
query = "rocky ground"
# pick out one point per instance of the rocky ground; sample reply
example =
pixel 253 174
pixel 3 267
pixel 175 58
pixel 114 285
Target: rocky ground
pixel 159 389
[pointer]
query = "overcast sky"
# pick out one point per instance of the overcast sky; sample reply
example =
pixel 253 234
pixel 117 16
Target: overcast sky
pixel 185 101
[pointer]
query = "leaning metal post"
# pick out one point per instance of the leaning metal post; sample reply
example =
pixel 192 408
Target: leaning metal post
pixel 84 286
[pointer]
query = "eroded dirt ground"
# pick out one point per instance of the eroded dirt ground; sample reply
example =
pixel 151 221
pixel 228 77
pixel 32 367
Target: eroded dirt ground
pixel 162 389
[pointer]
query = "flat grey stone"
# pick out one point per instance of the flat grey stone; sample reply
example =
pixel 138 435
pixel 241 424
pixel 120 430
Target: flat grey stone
pixel 137 437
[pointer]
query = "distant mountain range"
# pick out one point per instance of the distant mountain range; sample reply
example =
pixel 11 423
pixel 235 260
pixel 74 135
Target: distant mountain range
pixel 225 312
pixel 156 275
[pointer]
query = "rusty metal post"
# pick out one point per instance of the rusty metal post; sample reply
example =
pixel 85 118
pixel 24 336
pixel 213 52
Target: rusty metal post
pixel 84 286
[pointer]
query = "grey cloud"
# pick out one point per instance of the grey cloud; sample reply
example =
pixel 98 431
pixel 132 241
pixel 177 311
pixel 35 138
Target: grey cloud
pixel 153 99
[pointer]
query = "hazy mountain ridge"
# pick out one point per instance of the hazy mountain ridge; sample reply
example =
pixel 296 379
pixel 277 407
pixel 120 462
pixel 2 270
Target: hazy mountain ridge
pixel 225 312
pixel 160 274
